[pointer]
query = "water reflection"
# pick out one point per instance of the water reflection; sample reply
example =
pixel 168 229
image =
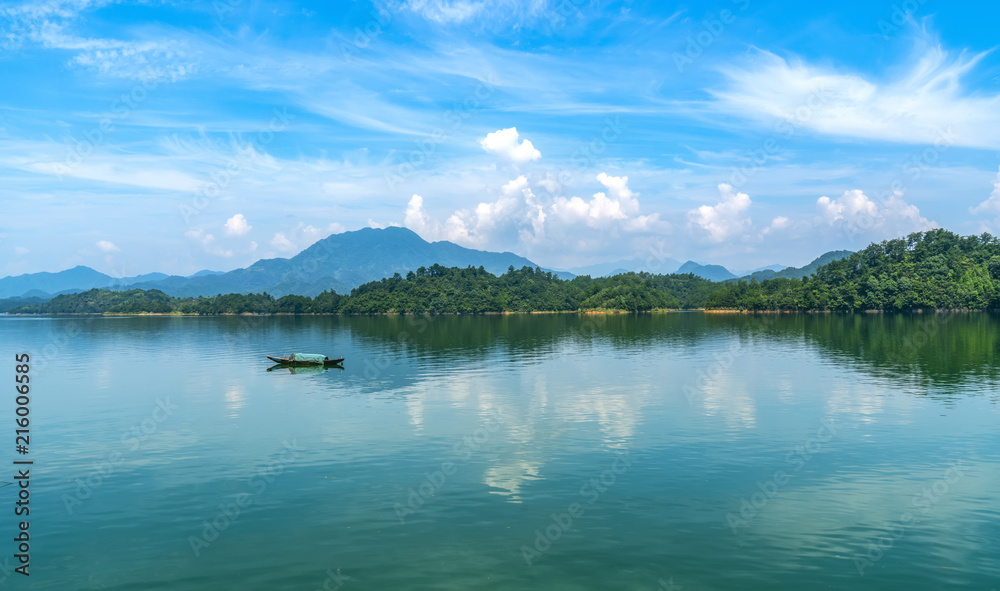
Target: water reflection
pixel 527 408
pixel 304 369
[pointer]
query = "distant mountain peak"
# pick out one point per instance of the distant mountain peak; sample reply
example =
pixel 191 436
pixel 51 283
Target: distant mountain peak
pixel 341 262
pixel 710 272
pixel 800 272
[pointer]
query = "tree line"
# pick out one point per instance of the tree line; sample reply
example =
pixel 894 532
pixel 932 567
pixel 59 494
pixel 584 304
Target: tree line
pixel 428 290
pixel 934 269
pixel 926 270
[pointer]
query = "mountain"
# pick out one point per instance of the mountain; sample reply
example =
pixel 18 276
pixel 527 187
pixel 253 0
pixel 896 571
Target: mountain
pixel 344 261
pixel 142 278
pixel 800 272
pixel 76 278
pixel 775 268
pixel 44 285
pixel 340 262
pixel 655 266
pixel 710 272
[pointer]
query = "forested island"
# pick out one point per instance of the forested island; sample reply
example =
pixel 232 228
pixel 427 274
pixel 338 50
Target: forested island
pixel 929 270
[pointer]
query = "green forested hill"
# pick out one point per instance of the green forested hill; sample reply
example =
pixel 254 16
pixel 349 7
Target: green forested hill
pixel 800 272
pixel 935 269
pixel 436 289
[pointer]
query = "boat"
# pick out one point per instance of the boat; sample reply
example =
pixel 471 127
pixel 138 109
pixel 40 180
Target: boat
pixel 306 360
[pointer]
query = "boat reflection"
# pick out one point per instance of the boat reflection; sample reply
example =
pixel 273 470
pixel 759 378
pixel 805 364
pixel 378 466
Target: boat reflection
pixel 304 369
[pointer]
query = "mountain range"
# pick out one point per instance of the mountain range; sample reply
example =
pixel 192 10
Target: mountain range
pixel 800 272
pixel 344 261
pixel 340 262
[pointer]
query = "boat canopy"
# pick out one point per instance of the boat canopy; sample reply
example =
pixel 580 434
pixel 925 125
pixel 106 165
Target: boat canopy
pixel 307 358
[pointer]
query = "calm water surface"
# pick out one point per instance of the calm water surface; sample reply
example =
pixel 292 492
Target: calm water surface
pixel 530 452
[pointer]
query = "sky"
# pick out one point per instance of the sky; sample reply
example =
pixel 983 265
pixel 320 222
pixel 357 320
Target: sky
pixel 180 136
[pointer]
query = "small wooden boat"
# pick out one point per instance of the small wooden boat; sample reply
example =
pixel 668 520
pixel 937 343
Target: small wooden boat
pixel 306 360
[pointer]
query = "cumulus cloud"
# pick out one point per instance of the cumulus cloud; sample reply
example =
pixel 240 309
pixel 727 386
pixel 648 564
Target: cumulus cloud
pixel 207 242
pixel 850 207
pixel 779 223
pixel 859 213
pixel 518 216
pixel 282 243
pixel 601 210
pixel 473 226
pixel 237 225
pixel 725 220
pixel 415 218
pixel 296 239
pixel 504 143
pixel 992 205
pixel 106 246
pixel 309 234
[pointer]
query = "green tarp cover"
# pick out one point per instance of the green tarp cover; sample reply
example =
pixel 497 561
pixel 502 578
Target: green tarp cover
pixel 307 357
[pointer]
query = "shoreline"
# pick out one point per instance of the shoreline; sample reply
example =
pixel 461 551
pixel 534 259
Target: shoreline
pixel 504 313
pixel 511 313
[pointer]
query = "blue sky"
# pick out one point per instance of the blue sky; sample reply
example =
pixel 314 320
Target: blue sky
pixel 179 136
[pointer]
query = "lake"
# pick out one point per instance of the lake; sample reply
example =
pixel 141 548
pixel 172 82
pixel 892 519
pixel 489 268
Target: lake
pixel 549 452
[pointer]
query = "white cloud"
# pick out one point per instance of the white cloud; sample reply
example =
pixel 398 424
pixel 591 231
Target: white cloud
pixel 309 234
pixel 859 213
pixel 199 236
pixel 445 11
pixel 779 223
pixel 207 241
pixel 851 207
pixel 517 216
pixel 106 246
pixel 724 220
pixel 474 227
pixel 49 24
pixel 415 218
pixel 923 103
pixel 282 243
pixel 503 143
pixel 237 225
pixel 489 13
pixel 21 251
pixel 992 204
pixel 602 211
pixel 618 187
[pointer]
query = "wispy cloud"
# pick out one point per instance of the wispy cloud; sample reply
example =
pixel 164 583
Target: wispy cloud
pixel 50 25
pixel 919 101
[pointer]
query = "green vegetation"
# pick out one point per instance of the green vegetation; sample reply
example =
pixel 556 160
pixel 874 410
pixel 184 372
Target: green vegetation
pixel 11 303
pixel 800 272
pixel 929 270
pixel 435 290
pixel 935 269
